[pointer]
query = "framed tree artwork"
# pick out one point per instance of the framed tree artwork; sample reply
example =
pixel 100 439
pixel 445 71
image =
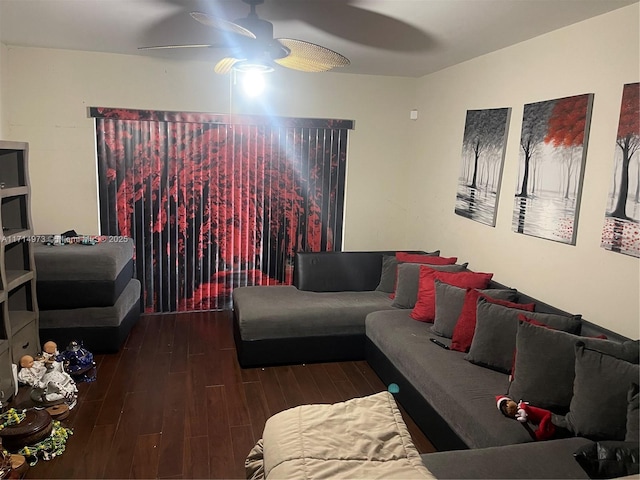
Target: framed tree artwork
pixel 553 149
pixel 621 232
pixel 483 147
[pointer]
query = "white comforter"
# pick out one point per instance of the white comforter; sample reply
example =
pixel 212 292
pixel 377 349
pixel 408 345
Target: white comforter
pixel 360 438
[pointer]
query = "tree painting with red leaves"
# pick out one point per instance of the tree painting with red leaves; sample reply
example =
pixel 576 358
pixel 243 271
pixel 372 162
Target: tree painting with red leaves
pixel 212 206
pixel 566 133
pixel 621 232
pixel 552 155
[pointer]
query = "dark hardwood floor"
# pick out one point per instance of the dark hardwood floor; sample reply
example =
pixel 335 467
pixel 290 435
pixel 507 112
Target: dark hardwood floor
pixel 174 403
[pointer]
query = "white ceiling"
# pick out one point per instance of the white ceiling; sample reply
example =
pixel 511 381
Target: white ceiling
pixel 381 37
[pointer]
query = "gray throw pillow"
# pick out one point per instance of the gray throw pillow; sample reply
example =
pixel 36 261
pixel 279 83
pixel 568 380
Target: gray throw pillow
pixel 449 302
pixel 633 414
pixel 408 278
pixel 390 272
pixel 494 340
pixel 544 368
pixel 599 405
pixel 388 275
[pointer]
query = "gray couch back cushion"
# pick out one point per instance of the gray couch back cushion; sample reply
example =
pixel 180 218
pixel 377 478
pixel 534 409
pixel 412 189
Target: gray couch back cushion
pixel 545 364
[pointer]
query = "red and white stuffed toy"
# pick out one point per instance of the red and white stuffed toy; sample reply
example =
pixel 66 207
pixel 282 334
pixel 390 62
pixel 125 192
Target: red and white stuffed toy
pixel 525 414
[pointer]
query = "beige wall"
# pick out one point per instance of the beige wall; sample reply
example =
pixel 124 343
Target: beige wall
pixel 51 90
pixel 596 56
pixel 4 129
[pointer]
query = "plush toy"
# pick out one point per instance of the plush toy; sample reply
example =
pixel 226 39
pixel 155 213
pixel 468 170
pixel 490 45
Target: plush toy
pixel 525 414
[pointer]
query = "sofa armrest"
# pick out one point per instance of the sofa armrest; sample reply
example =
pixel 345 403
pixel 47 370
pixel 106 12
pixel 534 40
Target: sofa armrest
pixel 339 271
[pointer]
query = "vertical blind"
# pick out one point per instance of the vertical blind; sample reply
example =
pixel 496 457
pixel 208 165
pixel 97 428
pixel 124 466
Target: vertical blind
pixel 214 202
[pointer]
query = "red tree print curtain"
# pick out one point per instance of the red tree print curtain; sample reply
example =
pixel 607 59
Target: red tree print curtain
pixel 215 202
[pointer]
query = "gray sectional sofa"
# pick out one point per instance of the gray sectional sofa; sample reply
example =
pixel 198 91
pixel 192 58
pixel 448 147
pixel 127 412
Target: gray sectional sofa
pixel 319 318
pixel 336 300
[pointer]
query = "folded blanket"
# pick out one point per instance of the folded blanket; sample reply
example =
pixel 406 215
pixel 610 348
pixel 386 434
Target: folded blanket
pixel 360 438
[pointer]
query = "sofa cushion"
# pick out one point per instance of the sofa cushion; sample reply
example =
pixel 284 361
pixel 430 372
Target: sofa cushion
pixel 425 308
pixel 552 459
pixel 633 414
pixel 449 302
pixel 81 276
pixel 267 312
pixel 494 339
pixel 465 328
pixel 408 275
pixel 337 271
pixel 425 258
pixel 111 316
pixel 389 273
pixel 599 405
pixel 544 368
pixel 460 392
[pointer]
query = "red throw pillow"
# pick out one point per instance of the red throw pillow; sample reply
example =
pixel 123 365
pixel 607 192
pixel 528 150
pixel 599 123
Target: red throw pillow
pixel 466 326
pixel 533 321
pixel 425 259
pixel 425 309
pixel 422 259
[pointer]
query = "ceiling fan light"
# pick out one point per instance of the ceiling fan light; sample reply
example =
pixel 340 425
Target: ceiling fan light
pixel 253 83
pixel 252 67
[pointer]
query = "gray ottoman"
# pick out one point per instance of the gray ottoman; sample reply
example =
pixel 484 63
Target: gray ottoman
pixel 87 293
pixel 78 276
pixel 101 329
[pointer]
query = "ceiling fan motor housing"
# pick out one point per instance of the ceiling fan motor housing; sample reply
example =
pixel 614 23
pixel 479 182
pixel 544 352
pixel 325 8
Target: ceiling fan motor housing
pixel 262 29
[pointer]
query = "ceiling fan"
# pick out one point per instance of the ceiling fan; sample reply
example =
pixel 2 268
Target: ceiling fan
pixel 254 49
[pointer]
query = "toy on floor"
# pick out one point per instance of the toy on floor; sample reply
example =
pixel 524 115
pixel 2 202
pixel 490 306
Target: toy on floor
pixel 50 352
pixel 51 384
pixel 31 371
pixel 71 237
pixel 528 415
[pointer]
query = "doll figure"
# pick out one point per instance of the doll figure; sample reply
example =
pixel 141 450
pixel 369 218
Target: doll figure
pixel 50 352
pixel 525 414
pixel 31 370
pixel 50 384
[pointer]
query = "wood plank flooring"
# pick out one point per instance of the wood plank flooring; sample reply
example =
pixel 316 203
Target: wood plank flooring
pixel 174 403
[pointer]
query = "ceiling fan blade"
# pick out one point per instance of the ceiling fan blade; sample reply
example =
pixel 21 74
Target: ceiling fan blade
pixel 301 64
pixel 225 65
pixel 190 45
pixel 221 24
pixel 306 55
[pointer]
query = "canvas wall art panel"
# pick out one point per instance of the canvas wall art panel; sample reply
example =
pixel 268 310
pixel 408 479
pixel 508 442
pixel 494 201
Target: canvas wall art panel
pixel 483 147
pixel 621 232
pixel 553 149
